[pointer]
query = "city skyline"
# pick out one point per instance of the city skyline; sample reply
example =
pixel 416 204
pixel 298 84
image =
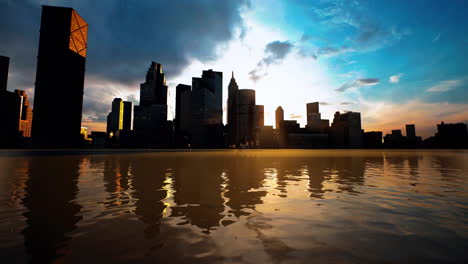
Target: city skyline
pixel 384 93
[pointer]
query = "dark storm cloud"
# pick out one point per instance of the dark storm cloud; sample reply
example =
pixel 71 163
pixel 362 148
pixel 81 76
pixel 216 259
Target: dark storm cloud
pixel 358 83
pixel 275 52
pixel 124 36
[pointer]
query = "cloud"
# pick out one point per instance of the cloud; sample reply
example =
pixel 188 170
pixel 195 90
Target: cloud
pixel 424 115
pixel 124 36
pixel 293 116
pixel 445 86
pixel 436 38
pixel 324 103
pixel 395 78
pixel 358 83
pixel 275 52
pixel 368 34
pixel 329 51
pixel 346 103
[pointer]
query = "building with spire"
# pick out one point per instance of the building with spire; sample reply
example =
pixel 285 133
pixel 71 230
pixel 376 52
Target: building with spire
pixel 233 90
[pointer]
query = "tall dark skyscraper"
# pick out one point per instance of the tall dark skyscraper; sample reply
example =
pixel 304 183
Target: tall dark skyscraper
pixel 245 116
pixel 150 124
pixel 58 97
pixel 152 111
pixel 182 101
pixel 233 89
pixel 346 130
pixel 410 131
pixel 279 115
pixel 154 90
pixel 4 65
pixel 127 116
pixel 206 107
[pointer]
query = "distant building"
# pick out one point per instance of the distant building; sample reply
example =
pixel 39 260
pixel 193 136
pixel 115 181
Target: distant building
pixel 117 114
pixel 373 139
pixel 245 117
pixel 182 118
pixel 450 136
pixel 265 137
pixel 60 70
pixel 232 108
pixel 121 116
pixel 346 130
pixel 279 116
pixel 4 65
pixel 259 116
pixel 411 131
pixel 16 118
pixel 150 125
pixel 314 120
pixel 127 116
pixel 206 109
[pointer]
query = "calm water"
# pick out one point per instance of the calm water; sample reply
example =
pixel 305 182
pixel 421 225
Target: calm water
pixel 276 206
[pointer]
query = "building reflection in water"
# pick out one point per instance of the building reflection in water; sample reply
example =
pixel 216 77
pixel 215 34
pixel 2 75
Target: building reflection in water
pixel 197 189
pixel 149 175
pixel 52 212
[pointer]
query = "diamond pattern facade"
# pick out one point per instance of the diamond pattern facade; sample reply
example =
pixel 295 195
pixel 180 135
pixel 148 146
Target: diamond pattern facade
pixel 78 34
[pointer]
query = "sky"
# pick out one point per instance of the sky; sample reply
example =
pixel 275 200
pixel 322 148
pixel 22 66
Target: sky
pixel 397 62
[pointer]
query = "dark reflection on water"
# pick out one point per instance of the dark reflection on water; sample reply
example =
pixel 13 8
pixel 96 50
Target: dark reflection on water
pixel 235 207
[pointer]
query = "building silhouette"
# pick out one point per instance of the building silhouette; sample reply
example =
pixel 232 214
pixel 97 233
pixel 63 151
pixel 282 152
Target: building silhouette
pixel 314 120
pixel 411 131
pixel 183 115
pixel 15 111
pixel 121 116
pixel 58 97
pixel 232 114
pixel 127 116
pixel 245 117
pixel 449 136
pixel 152 129
pixel 206 109
pixel 372 139
pixel 279 115
pixel 346 130
pixel 4 65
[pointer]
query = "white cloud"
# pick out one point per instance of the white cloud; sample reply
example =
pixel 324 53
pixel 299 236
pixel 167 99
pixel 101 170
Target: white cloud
pixel 445 86
pixel 395 78
pixel 385 116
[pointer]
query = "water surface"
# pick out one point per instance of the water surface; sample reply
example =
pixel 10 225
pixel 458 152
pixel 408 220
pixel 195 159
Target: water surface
pixel 248 206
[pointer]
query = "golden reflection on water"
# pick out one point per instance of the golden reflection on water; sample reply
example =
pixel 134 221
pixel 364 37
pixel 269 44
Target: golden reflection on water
pixel 268 206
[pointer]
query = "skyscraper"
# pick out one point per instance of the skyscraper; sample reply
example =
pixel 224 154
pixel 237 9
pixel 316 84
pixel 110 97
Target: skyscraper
pixel 4 65
pixel 154 90
pixel 206 109
pixel 279 114
pixel 121 116
pixel 346 130
pixel 233 89
pixel 410 131
pixel 117 114
pixel 245 116
pixel 152 111
pixel 259 116
pixel 181 103
pixel 313 116
pixel 150 117
pixel 58 98
pixel 127 116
